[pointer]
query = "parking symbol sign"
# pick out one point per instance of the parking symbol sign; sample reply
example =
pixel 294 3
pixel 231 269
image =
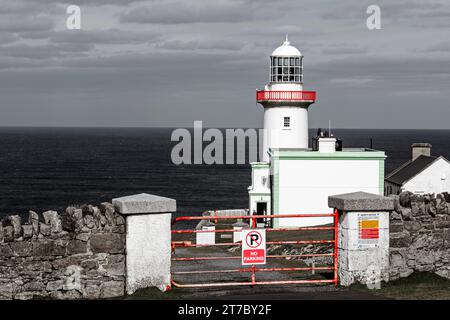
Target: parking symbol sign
pixel 253 247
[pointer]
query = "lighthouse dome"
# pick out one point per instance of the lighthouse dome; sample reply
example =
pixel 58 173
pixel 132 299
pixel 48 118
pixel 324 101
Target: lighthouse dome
pixel 286 50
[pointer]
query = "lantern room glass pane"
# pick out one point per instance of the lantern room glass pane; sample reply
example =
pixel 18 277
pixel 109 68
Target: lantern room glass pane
pixel 274 61
pixel 297 61
pixel 285 61
pixel 292 61
pixel 280 61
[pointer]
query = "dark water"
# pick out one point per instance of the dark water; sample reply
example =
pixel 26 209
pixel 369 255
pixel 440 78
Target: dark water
pixel 50 168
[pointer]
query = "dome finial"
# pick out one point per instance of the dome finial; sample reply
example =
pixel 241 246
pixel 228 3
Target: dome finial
pixel 286 42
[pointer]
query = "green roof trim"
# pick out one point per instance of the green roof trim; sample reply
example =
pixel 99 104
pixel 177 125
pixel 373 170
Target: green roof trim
pixel 256 165
pixel 338 155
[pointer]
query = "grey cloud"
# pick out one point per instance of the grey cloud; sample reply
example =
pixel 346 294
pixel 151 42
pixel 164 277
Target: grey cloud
pixel 182 12
pixel 42 51
pixel 441 47
pixel 109 36
pixel 24 23
pixel 201 45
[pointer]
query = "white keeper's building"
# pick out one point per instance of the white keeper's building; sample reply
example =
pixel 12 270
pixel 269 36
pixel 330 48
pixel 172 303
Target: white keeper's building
pixel 295 177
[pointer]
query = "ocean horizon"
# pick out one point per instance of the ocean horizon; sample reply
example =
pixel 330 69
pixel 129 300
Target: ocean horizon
pixel 50 168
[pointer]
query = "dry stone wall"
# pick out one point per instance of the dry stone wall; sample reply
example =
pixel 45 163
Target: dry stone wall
pixel 420 235
pixel 77 255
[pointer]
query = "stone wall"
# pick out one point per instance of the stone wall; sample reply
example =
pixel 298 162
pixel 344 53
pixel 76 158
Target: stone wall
pixel 420 235
pixel 77 255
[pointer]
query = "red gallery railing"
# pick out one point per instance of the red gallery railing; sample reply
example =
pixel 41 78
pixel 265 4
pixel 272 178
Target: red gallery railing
pixel 252 270
pixel 285 95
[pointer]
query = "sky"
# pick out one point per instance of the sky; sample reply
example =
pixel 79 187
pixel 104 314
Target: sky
pixel 166 63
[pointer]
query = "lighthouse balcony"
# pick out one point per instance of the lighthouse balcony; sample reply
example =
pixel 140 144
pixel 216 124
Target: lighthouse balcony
pixel 265 96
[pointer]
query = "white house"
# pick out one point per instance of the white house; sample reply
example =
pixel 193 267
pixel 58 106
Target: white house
pixel 294 178
pixel 422 174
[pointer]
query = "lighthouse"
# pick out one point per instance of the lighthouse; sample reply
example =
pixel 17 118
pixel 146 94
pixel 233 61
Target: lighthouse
pixel 292 177
pixel 284 101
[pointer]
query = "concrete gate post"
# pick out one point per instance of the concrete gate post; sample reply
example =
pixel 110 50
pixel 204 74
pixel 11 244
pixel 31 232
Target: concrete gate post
pixel 363 244
pixel 148 240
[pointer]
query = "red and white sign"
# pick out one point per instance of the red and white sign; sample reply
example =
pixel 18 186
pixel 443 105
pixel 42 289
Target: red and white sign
pixel 254 246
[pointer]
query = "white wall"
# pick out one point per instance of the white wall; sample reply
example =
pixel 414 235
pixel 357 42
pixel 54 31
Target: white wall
pixel 304 186
pixel 430 180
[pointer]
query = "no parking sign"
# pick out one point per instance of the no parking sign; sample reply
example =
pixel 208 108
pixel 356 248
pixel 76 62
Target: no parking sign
pixel 254 246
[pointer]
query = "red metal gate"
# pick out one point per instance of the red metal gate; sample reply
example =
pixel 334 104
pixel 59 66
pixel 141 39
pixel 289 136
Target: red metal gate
pixel 253 270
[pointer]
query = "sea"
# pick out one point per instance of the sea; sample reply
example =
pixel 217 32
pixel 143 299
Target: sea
pixel 51 168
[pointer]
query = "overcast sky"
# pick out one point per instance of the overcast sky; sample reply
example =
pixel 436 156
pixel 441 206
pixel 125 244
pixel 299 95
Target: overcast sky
pixel 170 62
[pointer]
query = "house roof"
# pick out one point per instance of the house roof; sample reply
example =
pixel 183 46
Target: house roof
pixel 410 169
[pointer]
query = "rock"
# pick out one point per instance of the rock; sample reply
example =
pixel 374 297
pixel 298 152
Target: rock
pixel 405 199
pixel 415 209
pixel 89 221
pixel 397 205
pixel 17 225
pixel 43 266
pixel 76 247
pixel 442 223
pixel 112 289
pixel 22 248
pixel 396 227
pixel 8 234
pixel 406 213
pixel 120 220
pixel 33 286
pixel 5 251
pixel 89 264
pixel 446 196
pixel 87 209
pixel 7 290
pixel 107 243
pixel 48 248
pixel 397 260
pixel 400 240
pixel 68 220
pixel 54 220
pixel 412 225
pixel 79 221
pixel 91 290
pixel 54 285
pixel 44 229
pixel 115 266
pixel 27 231
pixel 33 219
pixel 431 209
pixel 108 210
pixel 395 216
pixel 83 236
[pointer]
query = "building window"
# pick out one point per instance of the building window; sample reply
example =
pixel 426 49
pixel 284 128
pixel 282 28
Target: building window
pixel 287 122
pixel 286 69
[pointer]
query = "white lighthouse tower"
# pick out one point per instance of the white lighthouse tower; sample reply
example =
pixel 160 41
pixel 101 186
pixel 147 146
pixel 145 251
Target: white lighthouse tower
pixel 292 178
pixel 284 101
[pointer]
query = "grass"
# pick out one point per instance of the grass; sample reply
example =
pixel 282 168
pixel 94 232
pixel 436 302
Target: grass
pixel 418 286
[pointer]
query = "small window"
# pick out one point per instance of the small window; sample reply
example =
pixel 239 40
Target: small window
pixel 286 61
pixel 280 61
pixel 275 62
pixel 287 122
pixel 297 61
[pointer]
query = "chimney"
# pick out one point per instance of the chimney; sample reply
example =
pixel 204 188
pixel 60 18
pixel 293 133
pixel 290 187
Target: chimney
pixel 419 149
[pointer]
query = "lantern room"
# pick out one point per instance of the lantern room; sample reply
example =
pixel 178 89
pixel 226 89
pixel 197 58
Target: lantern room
pixel 286 64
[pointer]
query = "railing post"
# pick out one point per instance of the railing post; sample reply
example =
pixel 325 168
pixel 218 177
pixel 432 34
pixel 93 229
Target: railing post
pixel 363 243
pixel 148 240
